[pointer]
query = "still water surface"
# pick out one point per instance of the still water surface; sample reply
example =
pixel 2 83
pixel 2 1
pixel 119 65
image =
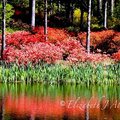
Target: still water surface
pixel 52 102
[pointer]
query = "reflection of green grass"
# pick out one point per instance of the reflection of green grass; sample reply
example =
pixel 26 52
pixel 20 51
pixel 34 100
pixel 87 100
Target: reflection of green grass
pixel 64 91
pixel 61 74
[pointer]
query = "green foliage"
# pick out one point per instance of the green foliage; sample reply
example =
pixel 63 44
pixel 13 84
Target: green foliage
pixel 117 11
pixel 73 29
pixel 114 23
pixel 9 13
pixel 22 3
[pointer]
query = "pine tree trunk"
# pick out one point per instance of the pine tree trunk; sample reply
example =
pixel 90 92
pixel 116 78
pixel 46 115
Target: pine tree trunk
pixel 33 15
pixel 3 27
pixel 105 14
pixel 45 19
pixel 88 31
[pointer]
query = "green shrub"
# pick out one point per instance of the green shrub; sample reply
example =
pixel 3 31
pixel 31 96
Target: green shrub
pixel 117 12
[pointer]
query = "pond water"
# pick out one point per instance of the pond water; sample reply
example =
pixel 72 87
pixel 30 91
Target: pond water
pixel 52 102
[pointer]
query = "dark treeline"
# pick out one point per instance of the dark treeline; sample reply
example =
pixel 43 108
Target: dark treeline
pixel 61 12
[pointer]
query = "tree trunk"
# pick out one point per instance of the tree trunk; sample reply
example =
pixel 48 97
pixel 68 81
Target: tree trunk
pixel 30 11
pixel 3 27
pixel 71 12
pixel 45 19
pixel 51 7
pixel 99 8
pixel 59 5
pixel 112 7
pixel 100 5
pixel 67 8
pixel 105 14
pixel 81 18
pixel 88 31
pixel 33 15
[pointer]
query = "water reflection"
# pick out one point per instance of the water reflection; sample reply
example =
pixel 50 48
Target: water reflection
pixel 38 102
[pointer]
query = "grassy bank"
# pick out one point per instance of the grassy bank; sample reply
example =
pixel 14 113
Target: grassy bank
pixel 59 74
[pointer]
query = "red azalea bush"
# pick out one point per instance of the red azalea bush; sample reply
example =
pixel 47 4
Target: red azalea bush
pixel 23 37
pixel 116 56
pixel 97 37
pixel 43 51
pixel 24 47
pixel 33 53
pixel 78 56
pixel 104 40
pixel 54 35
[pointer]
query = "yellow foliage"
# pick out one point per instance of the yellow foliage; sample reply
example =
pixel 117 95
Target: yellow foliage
pixel 76 16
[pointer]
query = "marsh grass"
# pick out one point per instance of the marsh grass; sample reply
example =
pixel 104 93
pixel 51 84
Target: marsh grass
pixel 83 73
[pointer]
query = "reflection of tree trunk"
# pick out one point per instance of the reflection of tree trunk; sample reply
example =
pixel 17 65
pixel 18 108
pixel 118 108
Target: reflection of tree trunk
pixel 3 27
pixel 45 19
pixel 32 117
pixel 87 111
pixel 2 109
pixel 88 31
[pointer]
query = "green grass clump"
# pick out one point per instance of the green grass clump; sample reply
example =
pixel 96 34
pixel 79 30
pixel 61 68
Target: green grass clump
pixel 83 73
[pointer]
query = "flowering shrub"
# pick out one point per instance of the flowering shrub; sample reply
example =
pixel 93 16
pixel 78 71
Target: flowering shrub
pixel 23 37
pixel 71 46
pixel 78 56
pixel 33 53
pixel 104 40
pixel 54 34
pixel 24 47
pixel 116 56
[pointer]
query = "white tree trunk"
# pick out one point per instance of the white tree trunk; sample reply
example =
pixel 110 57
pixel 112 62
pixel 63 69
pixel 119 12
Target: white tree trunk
pixel 3 27
pixel 100 2
pixel 33 14
pixel 105 14
pixel 88 31
pixel 45 19
pixel 112 7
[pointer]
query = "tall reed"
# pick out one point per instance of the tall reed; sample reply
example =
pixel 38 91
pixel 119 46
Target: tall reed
pixel 59 74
